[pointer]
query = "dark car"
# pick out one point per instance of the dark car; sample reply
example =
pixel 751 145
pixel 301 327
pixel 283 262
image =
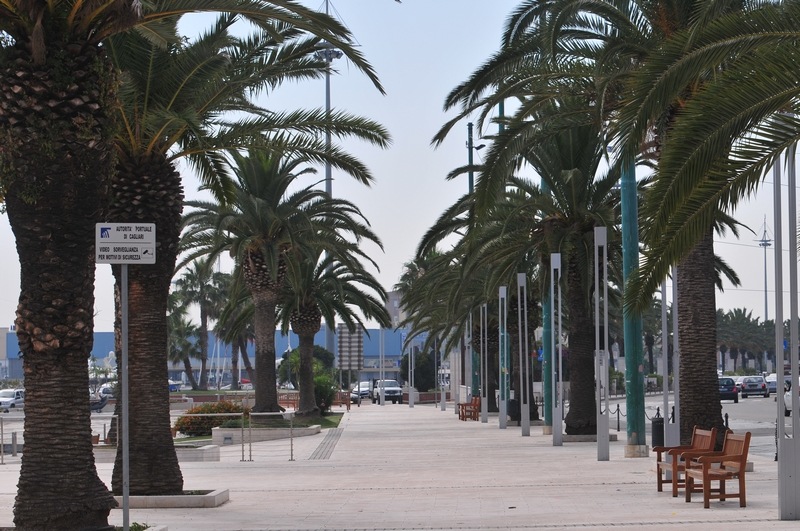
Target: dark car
pixel 754 385
pixel 728 390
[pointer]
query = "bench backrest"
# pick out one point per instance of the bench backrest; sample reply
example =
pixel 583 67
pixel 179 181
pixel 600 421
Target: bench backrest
pixel 737 447
pixel 704 440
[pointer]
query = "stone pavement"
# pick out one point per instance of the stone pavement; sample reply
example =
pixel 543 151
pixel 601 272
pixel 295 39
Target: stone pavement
pixel 393 467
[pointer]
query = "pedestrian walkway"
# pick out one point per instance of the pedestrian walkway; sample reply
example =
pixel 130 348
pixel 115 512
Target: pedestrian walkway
pixel 394 467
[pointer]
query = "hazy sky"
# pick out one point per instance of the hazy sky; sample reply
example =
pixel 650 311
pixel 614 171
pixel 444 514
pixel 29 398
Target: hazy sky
pixel 421 50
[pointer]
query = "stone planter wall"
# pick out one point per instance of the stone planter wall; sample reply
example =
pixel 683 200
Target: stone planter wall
pixel 223 436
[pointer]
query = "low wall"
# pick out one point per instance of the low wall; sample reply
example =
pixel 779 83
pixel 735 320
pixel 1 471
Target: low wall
pixel 224 436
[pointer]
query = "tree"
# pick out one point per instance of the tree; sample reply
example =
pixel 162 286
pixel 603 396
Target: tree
pixel 328 287
pixel 58 159
pixel 182 339
pixel 267 228
pixel 201 285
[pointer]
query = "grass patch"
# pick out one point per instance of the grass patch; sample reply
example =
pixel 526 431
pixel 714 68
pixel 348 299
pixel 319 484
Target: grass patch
pixel 330 420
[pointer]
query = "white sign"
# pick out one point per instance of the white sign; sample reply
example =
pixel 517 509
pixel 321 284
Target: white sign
pixel 125 243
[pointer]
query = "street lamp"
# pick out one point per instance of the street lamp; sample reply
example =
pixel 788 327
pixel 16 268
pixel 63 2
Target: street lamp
pixel 765 242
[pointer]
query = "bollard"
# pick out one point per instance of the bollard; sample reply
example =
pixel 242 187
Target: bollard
pixel 14 443
pixel 657 434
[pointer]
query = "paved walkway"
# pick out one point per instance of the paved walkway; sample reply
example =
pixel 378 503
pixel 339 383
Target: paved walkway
pixel 396 468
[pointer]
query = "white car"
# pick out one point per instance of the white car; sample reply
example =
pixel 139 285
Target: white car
pixel 11 399
pixel 787 398
pixel 391 391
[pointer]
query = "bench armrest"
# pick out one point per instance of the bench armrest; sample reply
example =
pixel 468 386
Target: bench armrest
pixel 719 458
pixel 689 456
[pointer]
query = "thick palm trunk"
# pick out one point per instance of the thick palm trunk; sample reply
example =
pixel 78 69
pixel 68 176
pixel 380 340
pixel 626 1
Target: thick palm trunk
pixel 149 190
pixel 234 367
pixel 700 405
pixel 305 378
pixel 266 390
pixel 56 157
pixel 581 419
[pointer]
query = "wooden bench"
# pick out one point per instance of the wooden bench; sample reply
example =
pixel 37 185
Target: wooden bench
pixel 342 398
pixel 668 458
pixel 469 410
pixel 729 464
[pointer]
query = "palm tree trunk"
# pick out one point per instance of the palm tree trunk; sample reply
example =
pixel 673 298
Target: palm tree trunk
pixel 56 161
pixel 266 391
pixel 234 367
pixel 187 368
pixel 203 342
pixel 246 360
pixel 149 190
pixel 700 405
pixel 581 419
pixel 305 379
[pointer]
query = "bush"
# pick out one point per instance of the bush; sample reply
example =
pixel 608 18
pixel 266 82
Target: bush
pixel 201 426
pixel 324 391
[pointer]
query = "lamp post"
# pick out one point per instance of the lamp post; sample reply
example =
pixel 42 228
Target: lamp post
pixel 765 242
pixel 474 354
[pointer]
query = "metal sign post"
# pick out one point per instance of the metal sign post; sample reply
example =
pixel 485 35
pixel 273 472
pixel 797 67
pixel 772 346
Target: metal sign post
pixel 555 319
pixel 502 328
pixel 523 398
pixel 484 363
pixel 123 244
pixel 600 341
pixel 788 445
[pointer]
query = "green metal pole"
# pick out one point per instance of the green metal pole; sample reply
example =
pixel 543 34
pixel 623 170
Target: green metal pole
pixel 476 353
pixel 632 324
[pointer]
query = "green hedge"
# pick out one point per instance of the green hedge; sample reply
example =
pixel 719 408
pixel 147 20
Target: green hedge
pixel 201 426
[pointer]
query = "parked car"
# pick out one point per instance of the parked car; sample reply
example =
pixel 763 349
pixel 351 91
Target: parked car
pixel 11 399
pixel 359 390
pixel 754 385
pixel 174 386
pixel 728 389
pixel 391 391
pixel 787 397
pixel 772 383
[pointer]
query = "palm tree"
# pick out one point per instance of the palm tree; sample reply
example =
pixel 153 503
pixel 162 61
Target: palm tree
pixel 202 286
pixel 175 102
pixel 235 326
pixel 328 288
pixel 266 228
pixel 183 334
pixel 56 131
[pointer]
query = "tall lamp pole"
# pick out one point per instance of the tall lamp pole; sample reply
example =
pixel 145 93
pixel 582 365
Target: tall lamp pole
pixel 765 242
pixel 328 55
pixel 475 354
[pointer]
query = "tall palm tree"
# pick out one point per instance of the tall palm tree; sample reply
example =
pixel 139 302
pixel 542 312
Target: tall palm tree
pixel 265 228
pixel 183 334
pixel 175 104
pixel 56 133
pixel 327 287
pixel 201 285
pixel 235 326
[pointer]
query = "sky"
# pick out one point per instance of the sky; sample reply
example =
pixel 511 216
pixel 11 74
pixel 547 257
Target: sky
pixel 421 50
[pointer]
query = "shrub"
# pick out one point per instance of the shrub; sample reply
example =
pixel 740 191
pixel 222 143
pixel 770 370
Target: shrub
pixel 324 391
pixel 201 426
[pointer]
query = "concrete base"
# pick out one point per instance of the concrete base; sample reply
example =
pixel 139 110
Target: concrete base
pixel 637 450
pixel 586 438
pixel 224 436
pixel 210 452
pixel 547 430
pixel 214 498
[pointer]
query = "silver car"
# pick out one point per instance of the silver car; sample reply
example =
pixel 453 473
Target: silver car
pixel 754 385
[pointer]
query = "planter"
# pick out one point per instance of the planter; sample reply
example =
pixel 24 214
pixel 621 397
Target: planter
pixel 213 498
pixel 225 436
pixel 427 397
pixel 185 453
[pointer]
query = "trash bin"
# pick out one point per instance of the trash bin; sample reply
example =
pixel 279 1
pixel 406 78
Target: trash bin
pixel 657 430
pixel 514 412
